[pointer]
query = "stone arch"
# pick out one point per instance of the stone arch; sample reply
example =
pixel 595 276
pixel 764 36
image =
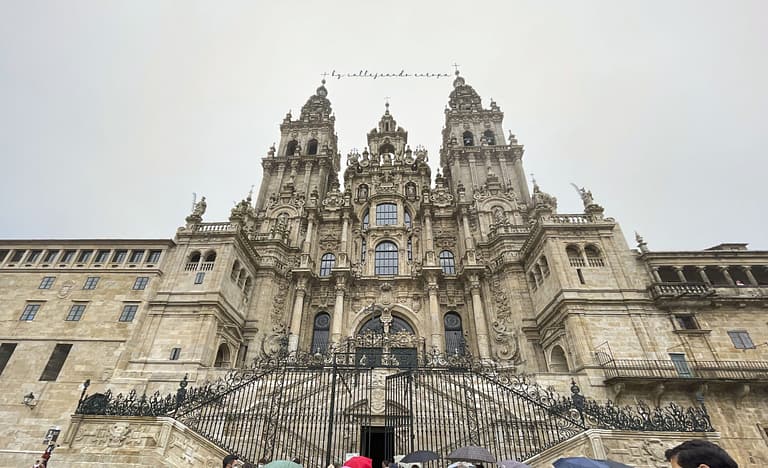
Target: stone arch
pixel 290 148
pixel 363 315
pixel 312 146
pixel 235 270
pixel 223 356
pixel 386 148
pixel 558 362
pixel 194 257
pixel 210 256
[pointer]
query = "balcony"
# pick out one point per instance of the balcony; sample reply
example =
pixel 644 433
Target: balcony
pixel 667 370
pixel 670 290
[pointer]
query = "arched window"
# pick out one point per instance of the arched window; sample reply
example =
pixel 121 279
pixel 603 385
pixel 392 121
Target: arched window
pixel 447 262
pixel 594 259
pixel 248 285
pixel 235 270
pixel 532 281
pixel 574 256
pixel 241 277
pixel 210 257
pixel 407 219
pixel 557 360
pixel 290 148
pixel 327 263
pixel 194 257
pixel 490 138
pixel 410 249
pixel 468 138
pixel 321 333
pixel 312 146
pixel 537 273
pixel 544 265
pixel 386 214
pixel 385 261
pixel 366 219
pixel 363 249
pixel 454 335
pixel 222 357
pixel 386 148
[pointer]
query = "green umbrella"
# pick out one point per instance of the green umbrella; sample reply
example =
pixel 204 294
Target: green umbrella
pixel 282 464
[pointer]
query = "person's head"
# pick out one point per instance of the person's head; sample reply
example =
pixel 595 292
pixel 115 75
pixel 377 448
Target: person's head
pixel 229 461
pixel 296 460
pixel 385 463
pixel 699 454
pixel 247 465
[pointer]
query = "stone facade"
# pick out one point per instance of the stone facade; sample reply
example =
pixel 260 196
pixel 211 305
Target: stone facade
pixel 467 260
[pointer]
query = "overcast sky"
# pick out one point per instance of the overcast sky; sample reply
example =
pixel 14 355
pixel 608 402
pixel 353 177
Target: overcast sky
pixel 113 112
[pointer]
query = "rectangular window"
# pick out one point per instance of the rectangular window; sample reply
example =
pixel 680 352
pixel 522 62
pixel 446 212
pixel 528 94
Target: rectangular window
pixel 84 256
pixel 101 256
pixel 91 282
pixel 175 353
pixel 136 256
pixel 141 282
pixel 30 310
pixel 741 340
pixel 686 322
pixel 119 256
pixel 67 256
pixel 6 351
pixel 17 255
pixel 386 214
pixel 129 312
pixel 681 365
pixel 3 254
pixel 47 282
pixel 33 256
pixel 50 256
pixel 154 256
pixel 75 313
pixel 199 277
pixel 56 362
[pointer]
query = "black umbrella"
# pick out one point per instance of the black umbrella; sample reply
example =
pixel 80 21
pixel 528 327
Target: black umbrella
pixel 420 456
pixel 472 454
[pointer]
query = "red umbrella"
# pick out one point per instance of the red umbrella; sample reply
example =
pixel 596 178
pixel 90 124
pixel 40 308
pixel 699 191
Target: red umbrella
pixel 359 462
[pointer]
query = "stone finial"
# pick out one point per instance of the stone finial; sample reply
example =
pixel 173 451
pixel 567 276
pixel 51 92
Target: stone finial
pixel 641 243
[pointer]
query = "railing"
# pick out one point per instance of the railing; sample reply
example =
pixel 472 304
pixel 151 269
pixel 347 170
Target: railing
pixel 659 290
pixel 703 370
pixel 191 266
pixel 216 227
pixel 570 219
pixel 595 262
pixel 577 262
pixel 207 266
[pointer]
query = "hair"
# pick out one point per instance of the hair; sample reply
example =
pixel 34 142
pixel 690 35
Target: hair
pixel 692 453
pixel 229 459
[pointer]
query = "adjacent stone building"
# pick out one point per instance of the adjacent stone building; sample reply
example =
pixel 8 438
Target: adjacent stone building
pixel 395 265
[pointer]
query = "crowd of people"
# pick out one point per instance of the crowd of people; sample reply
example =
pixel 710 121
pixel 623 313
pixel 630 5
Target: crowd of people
pixel 695 453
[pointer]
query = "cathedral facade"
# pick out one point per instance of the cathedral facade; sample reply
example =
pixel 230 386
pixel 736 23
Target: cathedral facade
pixel 395 265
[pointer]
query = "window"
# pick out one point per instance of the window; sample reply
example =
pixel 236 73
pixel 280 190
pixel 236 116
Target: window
pixel 365 219
pixel 490 138
pixel 686 322
pixel 210 257
pixel 321 333
pixel 290 148
pixel 33 255
pixel 385 261
pixel 6 351
pixel 681 365
pixel 102 256
pixel 141 283
pixel 235 270
pixel 574 256
pixel 454 335
pixel 91 282
pixel 47 282
pixel 119 256
pixel 50 256
pixel 84 256
pixel 386 148
pixel 199 277
pixel 594 259
pixel 410 249
pixel 17 255
pixel 223 358
pixel 468 138
pixel 30 310
pixel 154 256
pixel 56 362
pixel 3 254
pixel 447 262
pixel 67 256
pixel 75 313
pixel 386 214
pixel 363 249
pixel 175 354
pixel 136 256
pixel 407 219
pixel 557 360
pixel 327 263
pixel 741 340
pixel 312 146
pixel 128 313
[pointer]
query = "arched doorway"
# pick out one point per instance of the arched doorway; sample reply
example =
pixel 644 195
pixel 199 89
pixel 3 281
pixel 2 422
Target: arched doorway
pixel 386 340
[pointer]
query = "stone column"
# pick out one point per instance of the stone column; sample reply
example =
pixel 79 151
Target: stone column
pixel 344 254
pixel 680 274
pixel 655 272
pixel 727 276
pixel 429 243
pixel 481 326
pixel 307 173
pixel 307 244
pixel 750 276
pixel 434 314
pixel 298 310
pixel 518 165
pixel 338 310
pixel 703 274
pixel 469 242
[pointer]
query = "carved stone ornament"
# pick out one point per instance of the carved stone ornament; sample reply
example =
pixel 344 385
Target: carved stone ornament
pixel 441 197
pixel 506 337
pixel 333 200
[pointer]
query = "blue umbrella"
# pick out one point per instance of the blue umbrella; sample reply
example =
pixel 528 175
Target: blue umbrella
pixel 584 462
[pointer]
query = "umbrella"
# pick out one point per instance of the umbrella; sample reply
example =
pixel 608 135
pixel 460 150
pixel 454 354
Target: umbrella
pixel 461 465
pixel 358 462
pixel 282 464
pixel 420 456
pixel 584 462
pixel 513 464
pixel 472 454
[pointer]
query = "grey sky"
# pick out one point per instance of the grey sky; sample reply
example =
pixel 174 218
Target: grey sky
pixel 113 112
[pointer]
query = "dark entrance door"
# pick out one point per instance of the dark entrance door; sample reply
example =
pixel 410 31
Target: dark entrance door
pixel 378 443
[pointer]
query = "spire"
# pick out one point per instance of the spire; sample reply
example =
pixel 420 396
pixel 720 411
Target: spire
pixel 317 107
pixel 464 97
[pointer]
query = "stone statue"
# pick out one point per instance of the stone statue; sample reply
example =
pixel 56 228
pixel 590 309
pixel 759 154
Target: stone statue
pixel 271 152
pixel 352 158
pixel 410 190
pixel 199 208
pixel 586 195
pixel 362 192
pixel 499 217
